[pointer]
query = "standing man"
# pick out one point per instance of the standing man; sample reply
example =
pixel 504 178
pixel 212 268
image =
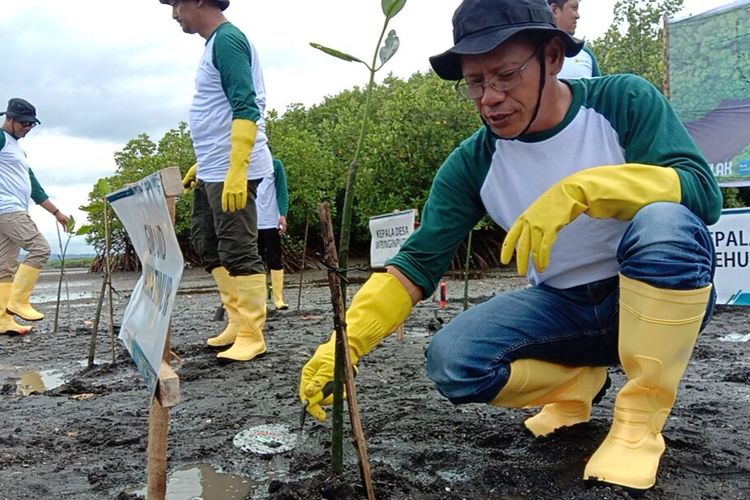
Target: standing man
pixel 232 156
pixel 17 185
pixel 583 64
pixel 605 199
pixel 273 205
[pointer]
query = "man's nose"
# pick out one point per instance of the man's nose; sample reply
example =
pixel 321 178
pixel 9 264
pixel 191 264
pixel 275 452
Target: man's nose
pixel 491 95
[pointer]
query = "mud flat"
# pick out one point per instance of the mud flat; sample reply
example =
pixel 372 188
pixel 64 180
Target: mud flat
pixel 71 432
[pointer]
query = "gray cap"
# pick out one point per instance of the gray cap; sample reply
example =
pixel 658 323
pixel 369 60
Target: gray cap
pixel 223 4
pixel 481 25
pixel 21 110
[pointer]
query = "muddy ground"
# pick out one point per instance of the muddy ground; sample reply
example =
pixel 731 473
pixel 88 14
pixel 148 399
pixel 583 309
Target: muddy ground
pixel 83 434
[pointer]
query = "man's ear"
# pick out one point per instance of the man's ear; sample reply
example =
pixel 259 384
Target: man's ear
pixel 554 52
pixel 555 9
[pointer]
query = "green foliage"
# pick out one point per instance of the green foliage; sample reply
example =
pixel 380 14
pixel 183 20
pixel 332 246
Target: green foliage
pixel 140 157
pixel 386 51
pixel 736 198
pixel 414 126
pixel 634 41
pixel 70 263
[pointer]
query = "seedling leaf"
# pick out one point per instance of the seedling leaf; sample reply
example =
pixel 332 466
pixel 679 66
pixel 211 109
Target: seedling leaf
pixel 336 53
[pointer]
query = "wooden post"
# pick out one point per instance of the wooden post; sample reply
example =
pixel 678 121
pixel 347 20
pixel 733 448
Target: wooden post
pixel 342 348
pixel 168 387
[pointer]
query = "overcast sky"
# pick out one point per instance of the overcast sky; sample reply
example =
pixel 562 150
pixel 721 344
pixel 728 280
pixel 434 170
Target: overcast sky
pixel 102 72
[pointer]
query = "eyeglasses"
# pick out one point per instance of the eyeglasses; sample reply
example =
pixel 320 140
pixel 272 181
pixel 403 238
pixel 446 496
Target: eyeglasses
pixel 27 124
pixel 499 82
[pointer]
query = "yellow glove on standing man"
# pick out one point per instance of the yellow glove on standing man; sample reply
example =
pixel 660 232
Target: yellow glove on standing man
pixel 380 306
pixel 188 182
pixel 234 196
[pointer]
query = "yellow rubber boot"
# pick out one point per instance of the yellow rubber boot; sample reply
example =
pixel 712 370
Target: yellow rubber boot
pixel 7 322
pixel 567 392
pixel 228 293
pixel 658 330
pixel 20 295
pixel 251 308
pixel 277 285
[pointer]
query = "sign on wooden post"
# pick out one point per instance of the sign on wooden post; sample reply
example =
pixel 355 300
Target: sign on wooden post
pixel 142 208
pixel 147 210
pixel 387 233
pixel 731 235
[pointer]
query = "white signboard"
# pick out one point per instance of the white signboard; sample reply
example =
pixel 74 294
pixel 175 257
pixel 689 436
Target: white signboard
pixel 731 236
pixel 142 208
pixel 388 232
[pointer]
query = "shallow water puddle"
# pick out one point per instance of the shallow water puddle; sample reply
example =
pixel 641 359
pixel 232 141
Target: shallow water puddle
pixel 203 482
pixel 735 337
pixel 36 382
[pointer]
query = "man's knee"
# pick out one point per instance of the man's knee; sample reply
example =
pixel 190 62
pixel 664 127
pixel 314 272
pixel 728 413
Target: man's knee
pixel 449 366
pixel 39 252
pixel 667 246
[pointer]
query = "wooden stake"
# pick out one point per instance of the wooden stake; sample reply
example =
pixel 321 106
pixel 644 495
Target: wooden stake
pixel 342 348
pixel 168 388
pixel 108 278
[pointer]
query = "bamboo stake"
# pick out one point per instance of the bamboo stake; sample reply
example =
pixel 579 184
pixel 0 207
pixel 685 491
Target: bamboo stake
pixel 302 269
pixel 92 341
pixel 106 286
pixel 342 350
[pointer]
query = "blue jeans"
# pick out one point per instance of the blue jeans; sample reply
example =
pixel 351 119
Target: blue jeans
pixel 665 246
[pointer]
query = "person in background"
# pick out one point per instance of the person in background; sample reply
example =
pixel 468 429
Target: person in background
pixel 18 184
pixel 273 205
pixel 605 199
pixel 232 156
pixel 583 64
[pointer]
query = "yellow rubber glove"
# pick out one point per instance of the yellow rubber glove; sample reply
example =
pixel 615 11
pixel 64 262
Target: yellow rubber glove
pixel 188 182
pixel 234 196
pixel 380 306
pixel 609 192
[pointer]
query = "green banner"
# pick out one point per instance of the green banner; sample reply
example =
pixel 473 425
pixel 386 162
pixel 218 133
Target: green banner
pixel 709 77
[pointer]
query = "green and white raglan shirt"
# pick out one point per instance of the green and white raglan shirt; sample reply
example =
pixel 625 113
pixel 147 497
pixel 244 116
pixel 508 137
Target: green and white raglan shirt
pixel 612 120
pixel 273 197
pixel 15 180
pixel 581 65
pixel 229 85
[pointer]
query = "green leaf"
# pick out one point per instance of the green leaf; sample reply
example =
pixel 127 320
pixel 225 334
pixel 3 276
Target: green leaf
pixel 335 53
pixel 71 224
pixel 102 187
pixel 392 7
pixel 389 47
pixel 84 230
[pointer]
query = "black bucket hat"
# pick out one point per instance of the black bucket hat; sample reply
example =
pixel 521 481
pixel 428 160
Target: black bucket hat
pixel 481 25
pixel 223 4
pixel 21 110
